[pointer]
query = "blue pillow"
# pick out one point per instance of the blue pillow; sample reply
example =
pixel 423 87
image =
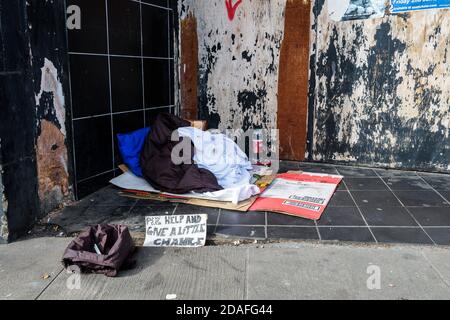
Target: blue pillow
pixel 130 146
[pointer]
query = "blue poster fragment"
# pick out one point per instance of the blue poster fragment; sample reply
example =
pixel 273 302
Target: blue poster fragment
pixel 398 6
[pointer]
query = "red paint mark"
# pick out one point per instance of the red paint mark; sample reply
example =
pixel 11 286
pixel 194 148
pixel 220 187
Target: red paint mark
pixel 231 8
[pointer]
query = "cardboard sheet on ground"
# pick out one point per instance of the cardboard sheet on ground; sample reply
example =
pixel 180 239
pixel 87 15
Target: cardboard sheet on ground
pixel 303 195
pixel 176 231
pixel 135 187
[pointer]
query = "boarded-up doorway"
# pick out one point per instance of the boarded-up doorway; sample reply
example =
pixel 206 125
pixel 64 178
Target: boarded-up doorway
pixel 293 81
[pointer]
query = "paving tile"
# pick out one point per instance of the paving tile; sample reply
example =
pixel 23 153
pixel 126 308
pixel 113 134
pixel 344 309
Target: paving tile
pixel 242 218
pixel 23 264
pixel 439 182
pixel 342 187
pixel 421 199
pixel 109 196
pixel 401 235
pixel 341 199
pixel 318 168
pixel 394 173
pixel 331 272
pixel 375 199
pixel 216 273
pixel 293 233
pixel 68 214
pixel 132 217
pixel 213 213
pixel 149 203
pixel 81 203
pixel 242 232
pixel 441 236
pixel 286 166
pixel 277 219
pixel 365 184
pixel 356 172
pixel 432 216
pixel 135 223
pixel 210 230
pixel 190 209
pixel 388 216
pixel 160 210
pixel 341 216
pixel 104 212
pixel 73 220
pixel 438 258
pixel 445 194
pixel 354 234
pixel 341 221
pixel 407 183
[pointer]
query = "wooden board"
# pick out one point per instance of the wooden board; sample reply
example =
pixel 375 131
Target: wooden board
pixel 293 81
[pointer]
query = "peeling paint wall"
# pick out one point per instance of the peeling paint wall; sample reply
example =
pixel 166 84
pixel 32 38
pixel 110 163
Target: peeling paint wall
pixel 379 90
pixel 238 56
pixel 50 84
pixel 3 209
pixel 49 60
pixel 52 161
pixel 33 108
pixel 51 149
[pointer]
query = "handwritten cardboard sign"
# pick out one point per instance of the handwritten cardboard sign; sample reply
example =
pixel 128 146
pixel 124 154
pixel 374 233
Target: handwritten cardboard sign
pixel 176 231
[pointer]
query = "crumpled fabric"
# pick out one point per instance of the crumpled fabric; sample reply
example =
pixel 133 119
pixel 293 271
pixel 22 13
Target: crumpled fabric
pixel 220 155
pixel 115 245
pixel 129 181
pixel 159 169
pixel 130 147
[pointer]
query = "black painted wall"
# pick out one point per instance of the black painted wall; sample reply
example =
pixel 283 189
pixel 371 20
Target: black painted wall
pixel 119 83
pixel 30 31
pixel 122 76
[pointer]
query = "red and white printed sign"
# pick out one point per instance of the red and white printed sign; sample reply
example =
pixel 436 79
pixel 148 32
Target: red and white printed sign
pixel 303 195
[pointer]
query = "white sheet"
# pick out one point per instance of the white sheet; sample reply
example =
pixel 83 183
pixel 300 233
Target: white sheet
pixel 235 195
pixel 220 155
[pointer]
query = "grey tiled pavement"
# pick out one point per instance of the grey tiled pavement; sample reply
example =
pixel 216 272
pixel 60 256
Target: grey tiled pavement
pixel 371 205
pixel 31 269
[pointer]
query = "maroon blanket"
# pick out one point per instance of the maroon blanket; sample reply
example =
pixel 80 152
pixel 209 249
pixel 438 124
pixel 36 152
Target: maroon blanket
pixel 115 245
pixel 157 165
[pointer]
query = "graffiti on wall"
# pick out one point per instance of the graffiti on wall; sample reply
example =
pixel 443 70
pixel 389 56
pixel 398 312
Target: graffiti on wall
pixel 232 8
